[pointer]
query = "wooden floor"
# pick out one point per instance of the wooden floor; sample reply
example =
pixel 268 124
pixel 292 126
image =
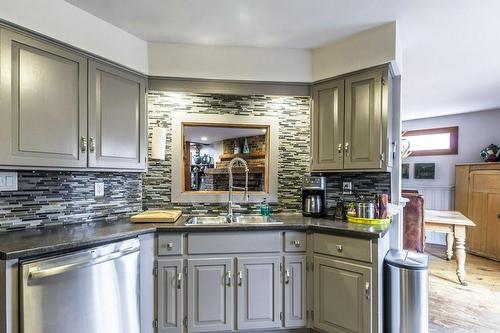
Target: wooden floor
pixel 455 308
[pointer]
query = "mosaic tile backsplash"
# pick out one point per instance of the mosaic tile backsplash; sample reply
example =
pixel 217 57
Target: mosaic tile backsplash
pixel 293 162
pixel 68 197
pixel 367 184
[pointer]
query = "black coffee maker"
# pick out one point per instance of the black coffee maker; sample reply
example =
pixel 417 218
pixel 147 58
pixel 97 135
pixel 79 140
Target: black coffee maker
pixel 313 196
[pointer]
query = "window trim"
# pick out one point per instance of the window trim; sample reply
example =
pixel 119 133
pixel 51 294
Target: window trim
pixel 453 150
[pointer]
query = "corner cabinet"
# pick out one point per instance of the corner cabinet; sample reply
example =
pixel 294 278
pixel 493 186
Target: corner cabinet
pixel 350 123
pixel 63 110
pixel 345 309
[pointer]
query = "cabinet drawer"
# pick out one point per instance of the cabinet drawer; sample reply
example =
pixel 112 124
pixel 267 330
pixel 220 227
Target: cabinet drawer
pixel 234 242
pixel 295 241
pixel 170 244
pixel 343 247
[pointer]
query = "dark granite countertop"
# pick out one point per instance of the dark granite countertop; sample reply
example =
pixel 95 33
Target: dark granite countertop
pixel 57 239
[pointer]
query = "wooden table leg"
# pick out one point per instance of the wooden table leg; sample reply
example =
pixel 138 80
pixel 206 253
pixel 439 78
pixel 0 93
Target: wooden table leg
pixel 460 252
pixel 449 245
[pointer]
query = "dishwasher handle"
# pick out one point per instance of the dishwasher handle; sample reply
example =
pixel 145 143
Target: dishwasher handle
pixel 36 273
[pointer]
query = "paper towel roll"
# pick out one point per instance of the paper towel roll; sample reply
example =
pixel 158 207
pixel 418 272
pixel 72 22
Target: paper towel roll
pixel 158 143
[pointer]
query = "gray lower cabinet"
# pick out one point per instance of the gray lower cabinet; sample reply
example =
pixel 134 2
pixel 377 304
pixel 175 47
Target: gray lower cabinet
pixel 258 283
pixel 170 295
pixel 43 98
pixel 294 281
pixel 342 296
pixel 210 294
pixel 117 118
pixel 363 121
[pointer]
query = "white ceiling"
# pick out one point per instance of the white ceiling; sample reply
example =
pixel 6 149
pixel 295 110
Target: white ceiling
pixel 216 134
pixel 451 48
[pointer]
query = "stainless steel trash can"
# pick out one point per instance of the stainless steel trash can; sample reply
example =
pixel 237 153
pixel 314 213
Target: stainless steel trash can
pixel 406 288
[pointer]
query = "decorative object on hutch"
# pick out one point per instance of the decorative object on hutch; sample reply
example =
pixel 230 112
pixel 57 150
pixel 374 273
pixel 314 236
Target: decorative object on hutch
pixel 491 153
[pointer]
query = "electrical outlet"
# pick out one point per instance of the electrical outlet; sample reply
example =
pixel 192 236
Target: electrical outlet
pixel 8 181
pixel 346 187
pixel 99 190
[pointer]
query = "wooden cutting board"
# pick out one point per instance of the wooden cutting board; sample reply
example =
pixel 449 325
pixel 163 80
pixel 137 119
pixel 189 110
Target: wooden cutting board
pixel 157 216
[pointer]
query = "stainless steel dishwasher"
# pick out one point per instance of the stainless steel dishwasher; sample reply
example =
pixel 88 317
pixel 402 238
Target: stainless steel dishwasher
pixel 89 291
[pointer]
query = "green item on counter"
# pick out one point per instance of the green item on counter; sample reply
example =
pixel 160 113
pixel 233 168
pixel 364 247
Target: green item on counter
pixel 265 210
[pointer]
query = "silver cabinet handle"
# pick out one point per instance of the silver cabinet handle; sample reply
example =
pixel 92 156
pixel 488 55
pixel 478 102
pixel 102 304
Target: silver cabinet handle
pixel 340 148
pixel 287 276
pixel 228 278
pixel 240 278
pixel 179 280
pixel 346 148
pixel 339 248
pixel 92 144
pixel 296 243
pixel 83 144
pixel 367 290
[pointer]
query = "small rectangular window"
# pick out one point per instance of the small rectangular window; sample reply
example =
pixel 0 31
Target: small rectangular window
pixel 435 141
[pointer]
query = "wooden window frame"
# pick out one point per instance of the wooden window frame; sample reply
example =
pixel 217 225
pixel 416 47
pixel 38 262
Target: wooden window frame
pixel 453 150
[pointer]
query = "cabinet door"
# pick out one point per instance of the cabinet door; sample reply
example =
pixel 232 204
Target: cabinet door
pixel 327 132
pixel 117 118
pixel 170 296
pixel 295 291
pixel 210 296
pixel 363 121
pixel 342 296
pixel 484 210
pixel 258 283
pixel 43 97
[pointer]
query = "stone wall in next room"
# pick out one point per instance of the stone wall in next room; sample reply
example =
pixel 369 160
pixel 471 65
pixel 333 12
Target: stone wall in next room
pixel 293 114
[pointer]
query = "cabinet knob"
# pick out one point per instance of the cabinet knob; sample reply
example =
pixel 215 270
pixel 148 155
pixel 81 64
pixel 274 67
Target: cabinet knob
pixel 228 278
pixel 296 243
pixel 287 276
pixel 340 148
pixel 339 248
pixel 92 144
pixel 168 246
pixel 346 148
pixel 179 280
pixel 240 278
pixel 83 144
pixel 367 290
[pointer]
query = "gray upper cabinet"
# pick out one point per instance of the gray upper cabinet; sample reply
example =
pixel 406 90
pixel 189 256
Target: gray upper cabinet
pixel 117 118
pixel 349 123
pixel 342 296
pixel 294 280
pixel 363 116
pixel 258 282
pixel 43 98
pixel 327 139
pixel 210 297
pixel 170 296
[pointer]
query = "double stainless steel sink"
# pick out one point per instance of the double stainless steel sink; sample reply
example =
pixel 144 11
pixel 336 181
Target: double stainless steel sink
pixel 237 220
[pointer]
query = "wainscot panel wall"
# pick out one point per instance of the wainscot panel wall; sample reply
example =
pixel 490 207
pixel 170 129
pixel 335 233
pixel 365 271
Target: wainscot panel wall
pixel 52 197
pixel 293 114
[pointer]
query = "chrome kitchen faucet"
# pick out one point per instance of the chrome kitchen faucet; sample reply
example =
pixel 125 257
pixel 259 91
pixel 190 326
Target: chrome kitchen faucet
pixel 230 205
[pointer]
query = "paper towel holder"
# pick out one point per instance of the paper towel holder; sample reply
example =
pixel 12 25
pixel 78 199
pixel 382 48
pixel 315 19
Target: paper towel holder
pixel 158 141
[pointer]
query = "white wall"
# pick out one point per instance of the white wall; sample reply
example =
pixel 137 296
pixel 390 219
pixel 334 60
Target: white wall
pixel 476 131
pixel 365 49
pixel 67 23
pixel 231 63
